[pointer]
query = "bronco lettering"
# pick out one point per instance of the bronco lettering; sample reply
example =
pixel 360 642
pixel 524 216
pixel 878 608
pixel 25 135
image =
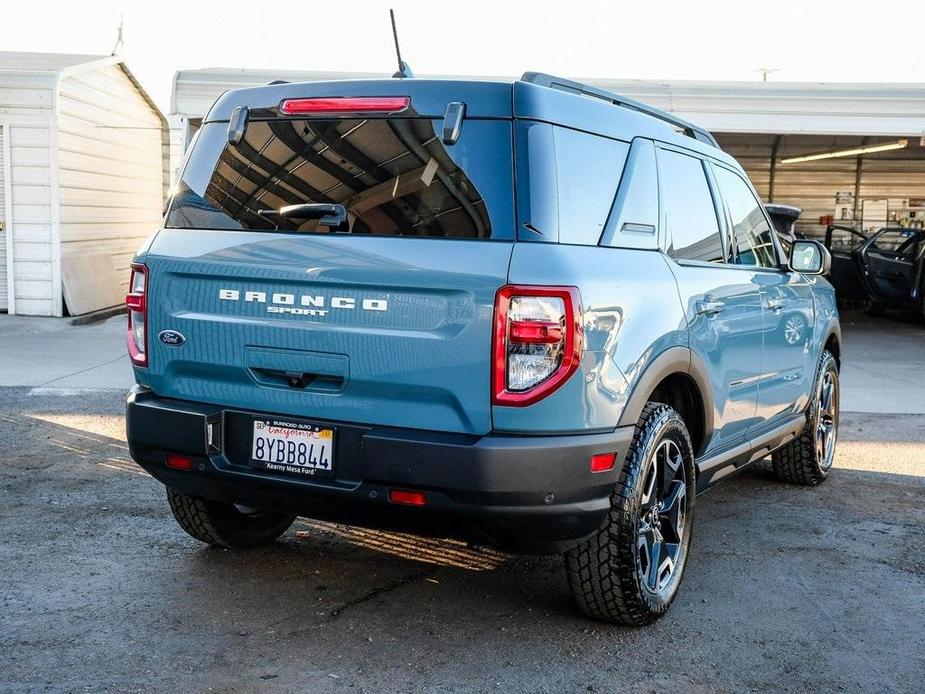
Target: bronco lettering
pixel 314 305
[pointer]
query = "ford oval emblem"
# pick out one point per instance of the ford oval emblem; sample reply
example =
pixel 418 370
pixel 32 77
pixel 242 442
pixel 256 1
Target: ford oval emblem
pixel 171 337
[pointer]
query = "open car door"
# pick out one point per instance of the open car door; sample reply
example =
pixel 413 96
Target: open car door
pixel 844 243
pixel 892 260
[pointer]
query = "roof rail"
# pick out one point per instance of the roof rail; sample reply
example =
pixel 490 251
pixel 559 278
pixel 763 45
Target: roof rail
pixel 566 85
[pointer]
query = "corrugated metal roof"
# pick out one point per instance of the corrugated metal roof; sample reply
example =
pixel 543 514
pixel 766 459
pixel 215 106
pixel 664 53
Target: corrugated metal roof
pixel 831 108
pixel 50 66
pixel 43 62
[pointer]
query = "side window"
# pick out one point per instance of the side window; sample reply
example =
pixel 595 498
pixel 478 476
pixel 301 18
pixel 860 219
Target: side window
pixel 897 244
pixel 844 241
pixel 588 170
pixel 689 210
pixel 754 245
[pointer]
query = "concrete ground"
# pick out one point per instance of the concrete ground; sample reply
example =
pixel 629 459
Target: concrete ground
pixel 884 365
pixel 788 588
pixel 51 355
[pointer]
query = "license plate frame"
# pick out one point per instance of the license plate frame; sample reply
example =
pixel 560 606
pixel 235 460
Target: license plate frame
pixel 294 448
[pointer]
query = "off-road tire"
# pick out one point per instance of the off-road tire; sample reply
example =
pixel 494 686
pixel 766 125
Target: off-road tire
pixel 224 525
pixel 604 571
pixel 797 462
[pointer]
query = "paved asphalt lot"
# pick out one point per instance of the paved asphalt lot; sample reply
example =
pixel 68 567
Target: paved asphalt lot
pixel 787 588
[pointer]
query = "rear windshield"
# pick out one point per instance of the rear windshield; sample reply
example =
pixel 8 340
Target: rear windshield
pixel 394 176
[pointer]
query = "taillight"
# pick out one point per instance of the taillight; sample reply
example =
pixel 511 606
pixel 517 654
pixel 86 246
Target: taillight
pixel 136 304
pixel 345 104
pixel 537 342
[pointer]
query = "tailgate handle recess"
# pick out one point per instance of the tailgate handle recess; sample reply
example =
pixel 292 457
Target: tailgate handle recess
pixel 324 383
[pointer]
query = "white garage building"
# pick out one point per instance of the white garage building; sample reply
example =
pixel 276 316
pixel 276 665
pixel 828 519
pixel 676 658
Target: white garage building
pixel 762 124
pixel 83 176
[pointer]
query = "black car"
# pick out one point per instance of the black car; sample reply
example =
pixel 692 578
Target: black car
pixel 885 269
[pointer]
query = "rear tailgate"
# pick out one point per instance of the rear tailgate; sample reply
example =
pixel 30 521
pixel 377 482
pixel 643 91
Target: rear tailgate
pixel 387 323
pixel 417 355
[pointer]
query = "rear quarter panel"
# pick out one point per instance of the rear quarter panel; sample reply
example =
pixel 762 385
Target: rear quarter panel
pixel 631 314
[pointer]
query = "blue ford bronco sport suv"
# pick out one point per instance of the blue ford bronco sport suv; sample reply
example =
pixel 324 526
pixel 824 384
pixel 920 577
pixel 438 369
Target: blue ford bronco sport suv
pixel 533 315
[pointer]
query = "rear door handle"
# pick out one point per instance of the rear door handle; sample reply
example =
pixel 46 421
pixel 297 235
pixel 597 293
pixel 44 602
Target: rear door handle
pixel 710 308
pixel 776 304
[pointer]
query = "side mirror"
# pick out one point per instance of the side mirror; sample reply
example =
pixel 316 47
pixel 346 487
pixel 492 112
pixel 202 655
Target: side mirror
pixel 810 258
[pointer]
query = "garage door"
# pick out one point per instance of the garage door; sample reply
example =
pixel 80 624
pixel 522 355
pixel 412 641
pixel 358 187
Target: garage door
pixel 4 299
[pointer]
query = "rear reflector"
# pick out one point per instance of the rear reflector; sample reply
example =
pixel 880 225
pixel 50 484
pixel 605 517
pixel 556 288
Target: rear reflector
pixel 602 462
pixel 179 462
pixel 403 496
pixel 345 104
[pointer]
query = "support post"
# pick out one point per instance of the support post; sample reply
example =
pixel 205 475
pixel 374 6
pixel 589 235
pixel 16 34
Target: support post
pixel 774 148
pixel 857 186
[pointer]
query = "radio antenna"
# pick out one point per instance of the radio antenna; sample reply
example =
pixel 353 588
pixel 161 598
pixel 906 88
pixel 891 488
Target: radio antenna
pixel 404 70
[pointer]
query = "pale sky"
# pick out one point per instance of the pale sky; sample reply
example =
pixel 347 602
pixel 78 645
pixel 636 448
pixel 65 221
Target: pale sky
pixel 802 40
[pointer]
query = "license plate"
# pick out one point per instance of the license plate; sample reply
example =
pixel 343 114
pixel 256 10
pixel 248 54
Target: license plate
pixel 293 447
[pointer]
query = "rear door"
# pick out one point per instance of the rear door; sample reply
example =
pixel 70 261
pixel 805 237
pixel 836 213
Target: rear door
pixel 385 322
pixel 722 302
pixel 890 259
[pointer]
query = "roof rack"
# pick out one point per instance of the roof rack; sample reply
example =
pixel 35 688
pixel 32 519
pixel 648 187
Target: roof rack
pixel 566 85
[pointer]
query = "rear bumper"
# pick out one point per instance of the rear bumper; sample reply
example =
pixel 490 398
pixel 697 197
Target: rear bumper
pixel 517 493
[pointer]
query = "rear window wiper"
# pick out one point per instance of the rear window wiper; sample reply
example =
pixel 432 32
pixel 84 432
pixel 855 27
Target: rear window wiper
pixel 330 214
